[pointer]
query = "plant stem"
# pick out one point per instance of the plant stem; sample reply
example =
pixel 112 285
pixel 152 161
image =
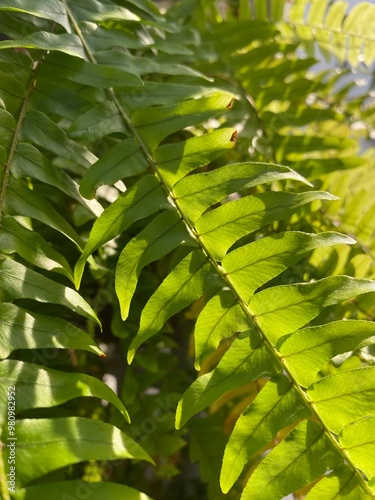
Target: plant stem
pixel 16 134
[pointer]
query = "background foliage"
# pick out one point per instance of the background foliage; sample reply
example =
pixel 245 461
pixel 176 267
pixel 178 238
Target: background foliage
pixel 182 192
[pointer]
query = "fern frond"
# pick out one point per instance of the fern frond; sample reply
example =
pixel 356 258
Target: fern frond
pixel 348 34
pixel 39 196
pixel 235 230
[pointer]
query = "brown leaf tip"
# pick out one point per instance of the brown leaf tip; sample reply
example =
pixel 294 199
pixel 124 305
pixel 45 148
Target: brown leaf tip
pixel 230 105
pixel 233 139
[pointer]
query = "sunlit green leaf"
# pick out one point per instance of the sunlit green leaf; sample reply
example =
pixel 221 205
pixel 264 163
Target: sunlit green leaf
pixel 345 397
pixel 198 192
pixel 304 455
pixel 221 317
pixel 25 330
pixel 174 161
pixel 342 482
pixel 28 161
pixel 65 42
pixel 222 227
pixel 162 235
pixel 44 445
pixel 142 199
pixel 358 441
pixel 31 246
pixel 309 349
pixel 293 306
pixel 124 160
pixel 252 265
pixel 155 123
pixel 53 10
pixel 96 490
pixel 247 359
pixel 23 201
pixel 276 406
pixel 39 387
pixel 18 282
pixel 187 282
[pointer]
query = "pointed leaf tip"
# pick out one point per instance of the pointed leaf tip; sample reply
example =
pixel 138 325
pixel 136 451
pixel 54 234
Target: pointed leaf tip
pixel 130 356
pixel 230 105
pixel 233 139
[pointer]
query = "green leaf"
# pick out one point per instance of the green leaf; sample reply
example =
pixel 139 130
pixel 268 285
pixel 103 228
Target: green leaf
pixel 145 65
pixel 312 168
pixel 29 162
pixel 188 281
pixel 233 35
pixel 353 24
pixel 20 329
pixel 158 93
pixel 32 247
pixel 342 483
pixel 338 31
pixel 124 160
pixel 96 11
pixel 247 359
pixel 7 127
pixel 334 19
pixel 144 198
pixel 345 397
pixel 65 42
pixel 102 39
pixel 156 123
pixel 23 201
pixel 221 317
pixel 206 447
pixel 53 10
pixel 165 233
pixel 41 130
pixel 306 351
pixel 87 73
pixel 147 7
pixel 12 91
pixel 252 265
pixel 18 282
pixel 223 226
pixel 198 192
pixel 317 11
pixel 174 161
pixel 288 145
pixel 78 489
pixel 293 306
pixel 11 24
pixel 3 155
pixel 359 443
pixel 57 99
pixel 44 445
pixel 97 123
pixel 39 387
pixel 301 457
pixel 174 49
pixel 276 406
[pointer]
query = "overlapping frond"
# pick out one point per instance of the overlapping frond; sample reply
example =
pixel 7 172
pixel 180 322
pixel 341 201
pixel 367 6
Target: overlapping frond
pixel 239 226
pixel 339 29
pixel 39 202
